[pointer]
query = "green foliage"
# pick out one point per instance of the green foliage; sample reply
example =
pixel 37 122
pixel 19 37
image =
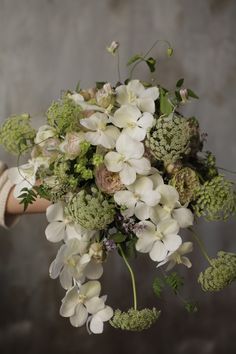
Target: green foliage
pixel 179 83
pixel 174 281
pixel 192 94
pixel 158 286
pixel 151 63
pixel 166 106
pixel 134 59
pixel 191 307
pixel 118 237
pixel 28 197
pixel 170 51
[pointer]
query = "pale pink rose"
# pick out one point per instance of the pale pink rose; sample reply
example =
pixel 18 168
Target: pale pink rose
pixel 108 182
pixel 71 144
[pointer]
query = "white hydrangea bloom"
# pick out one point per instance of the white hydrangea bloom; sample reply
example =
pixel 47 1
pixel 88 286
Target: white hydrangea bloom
pixel 136 94
pixel 158 240
pixel 139 198
pixel 102 133
pixel 178 257
pixel 100 313
pixel 133 122
pixel 70 263
pixel 171 208
pixel 128 159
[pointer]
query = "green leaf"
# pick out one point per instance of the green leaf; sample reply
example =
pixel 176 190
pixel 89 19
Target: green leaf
pixel 174 281
pixel 134 58
pixel 178 97
pixel 165 104
pixel 129 248
pixel 191 307
pixel 170 52
pixel 192 94
pixel 158 286
pixel 118 237
pixel 151 62
pixel 77 89
pixel 179 83
pixel 27 198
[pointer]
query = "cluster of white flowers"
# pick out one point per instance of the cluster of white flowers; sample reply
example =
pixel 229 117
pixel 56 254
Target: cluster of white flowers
pixel 144 195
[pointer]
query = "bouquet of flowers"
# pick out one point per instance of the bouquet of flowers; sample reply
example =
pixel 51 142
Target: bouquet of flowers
pixel 125 172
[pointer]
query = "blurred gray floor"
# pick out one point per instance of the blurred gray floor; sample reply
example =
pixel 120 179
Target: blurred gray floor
pixel 49 45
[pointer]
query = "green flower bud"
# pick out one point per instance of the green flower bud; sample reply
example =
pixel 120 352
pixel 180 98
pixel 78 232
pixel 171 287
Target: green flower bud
pixel 135 320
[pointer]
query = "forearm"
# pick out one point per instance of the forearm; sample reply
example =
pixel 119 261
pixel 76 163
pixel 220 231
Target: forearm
pixel 13 207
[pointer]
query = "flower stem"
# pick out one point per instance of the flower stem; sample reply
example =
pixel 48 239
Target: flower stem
pixel 131 274
pixel 201 246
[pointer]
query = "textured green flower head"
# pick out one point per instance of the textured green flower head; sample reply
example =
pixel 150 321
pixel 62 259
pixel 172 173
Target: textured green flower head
pixel 215 199
pixel 64 115
pixel 91 210
pixel 221 273
pixel 16 134
pixel 169 139
pixel 135 320
pixel 186 182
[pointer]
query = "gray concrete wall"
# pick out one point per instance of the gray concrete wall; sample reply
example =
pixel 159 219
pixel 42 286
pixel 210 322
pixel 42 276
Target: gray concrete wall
pixel 48 45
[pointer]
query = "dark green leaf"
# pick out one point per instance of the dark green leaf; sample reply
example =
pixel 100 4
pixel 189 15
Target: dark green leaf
pixel 170 52
pixel 178 97
pixel 192 94
pixel 129 248
pixel 118 237
pixel 179 83
pixel 77 89
pixel 158 286
pixel 191 307
pixel 151 62
pixel 134 58
pixel 174 281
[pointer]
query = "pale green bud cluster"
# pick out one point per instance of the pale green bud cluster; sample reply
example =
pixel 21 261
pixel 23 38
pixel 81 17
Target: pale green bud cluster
pixel 221 273
pixel 16 134
pixel 97 159
pixel 186 182
pixel 91 210
pixel 64 115
pixel 169 139
pixel 135 320
pixel 215 199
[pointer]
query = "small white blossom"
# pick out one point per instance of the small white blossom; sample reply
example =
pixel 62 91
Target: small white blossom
pixel 102 133
pixel 128 159
pixel 178 257
pixel 136 94
pixel 43 134
pixel 158 240
pixel 133 122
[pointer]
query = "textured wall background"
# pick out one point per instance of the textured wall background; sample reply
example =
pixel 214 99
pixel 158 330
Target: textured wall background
pixel 49 45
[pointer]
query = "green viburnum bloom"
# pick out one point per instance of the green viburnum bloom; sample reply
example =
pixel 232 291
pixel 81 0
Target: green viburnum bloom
pixel 135 320
pixel 221 273
pixel 169 138
pixel 64 115
pixel 186 182
pixel 16 134
pixel 91 210
pixel 215 199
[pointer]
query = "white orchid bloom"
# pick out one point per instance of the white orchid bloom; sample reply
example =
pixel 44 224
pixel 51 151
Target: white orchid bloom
pixel 178 257
pixel 74 304
pixel 138 199
pixel 24 176
pixel 70 263
pixel 102 133
pixel 171 208
pixel 61 228
pixel 136 94
pixel 158 240
pixel 43 134
pixel 133 122
pixel 128 159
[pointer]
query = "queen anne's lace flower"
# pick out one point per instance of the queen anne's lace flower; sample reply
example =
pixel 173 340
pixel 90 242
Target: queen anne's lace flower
pixel 135 320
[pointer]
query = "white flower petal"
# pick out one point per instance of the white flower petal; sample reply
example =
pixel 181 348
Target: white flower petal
pixel 93 270
pixel 168 226
pixel 96 325
pixel 146 121
pixel 127 174
pixel 183 216
pixel 142 166
pixel 90 123
pixel 125 198
pixel 158 213
pixel 135 132
pixel 186 262
pixel 69 302
pixel 113 161
pixel 80 316
pixel 169 195
pixel 90 289
pixel 55 212
pixel 151 92
pixel 122 95
pixel 146 105
pixel 106 313
pixel 66 278
pixel 128 147
pixel 94 305
pixel 55 231
pixel 185 248
pixel 144 244
pixel 158 252
pixel 172 242
pixel 125 115
pixel 141 211
pixel 136 87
